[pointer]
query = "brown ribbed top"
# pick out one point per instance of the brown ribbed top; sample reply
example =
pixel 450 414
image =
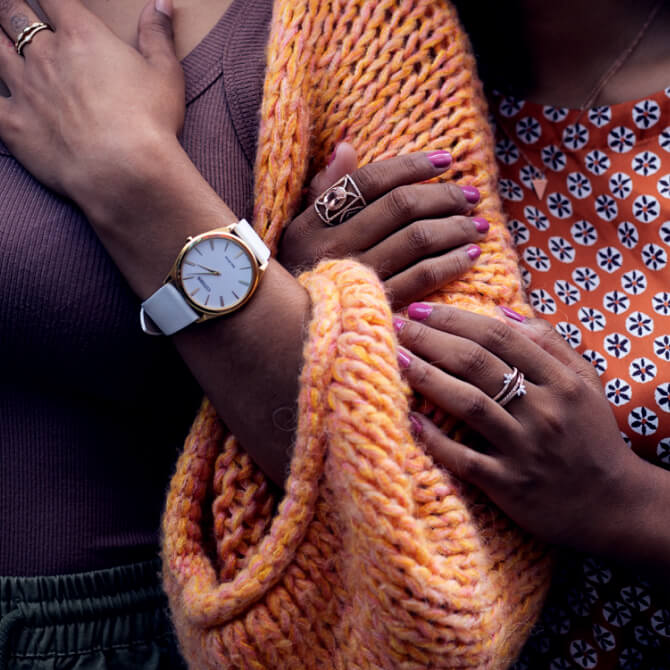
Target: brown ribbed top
pixel 93 412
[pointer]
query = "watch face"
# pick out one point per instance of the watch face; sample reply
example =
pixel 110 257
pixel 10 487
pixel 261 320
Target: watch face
pixel 217 273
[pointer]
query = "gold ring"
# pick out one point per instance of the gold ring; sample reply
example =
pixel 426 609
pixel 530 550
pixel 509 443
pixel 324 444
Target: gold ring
pixel 513 386
pixel 25 37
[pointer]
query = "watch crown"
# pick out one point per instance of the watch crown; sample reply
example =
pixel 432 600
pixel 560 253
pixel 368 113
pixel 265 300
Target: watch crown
pixel 189 238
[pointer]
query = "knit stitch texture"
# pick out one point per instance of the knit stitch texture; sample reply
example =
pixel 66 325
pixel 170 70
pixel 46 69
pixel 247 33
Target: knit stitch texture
pixel 374 557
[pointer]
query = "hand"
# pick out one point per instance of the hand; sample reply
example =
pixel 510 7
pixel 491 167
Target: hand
pixel 85 108
pixel 555 461
pixel 417 237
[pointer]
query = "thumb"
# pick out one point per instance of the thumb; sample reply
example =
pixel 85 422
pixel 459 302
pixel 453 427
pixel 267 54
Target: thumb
pixel 155 39
pixel 343 161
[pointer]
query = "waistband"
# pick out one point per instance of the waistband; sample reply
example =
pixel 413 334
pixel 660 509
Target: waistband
pixel 66 614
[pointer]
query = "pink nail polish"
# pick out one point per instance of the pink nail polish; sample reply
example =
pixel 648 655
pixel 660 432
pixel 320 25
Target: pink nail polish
pixel 511 314
pixel 419 311
pixel 416 425
pixel 403 360
pixel 471 194
pixel 332 156
pixel 440 159
pixel 474 252
pixel 398 324
pixel 482 225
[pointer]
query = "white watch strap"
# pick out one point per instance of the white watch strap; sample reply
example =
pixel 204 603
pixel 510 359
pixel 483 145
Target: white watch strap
pixel 168 310
pixel 248 235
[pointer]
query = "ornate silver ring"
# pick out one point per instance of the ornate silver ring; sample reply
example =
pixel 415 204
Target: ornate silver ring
pixel 513 386
pixel 340 202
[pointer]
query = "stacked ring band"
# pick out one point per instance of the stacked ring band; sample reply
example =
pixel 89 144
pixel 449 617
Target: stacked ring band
pixel 340 202
pixel 513 386
pixel 25 37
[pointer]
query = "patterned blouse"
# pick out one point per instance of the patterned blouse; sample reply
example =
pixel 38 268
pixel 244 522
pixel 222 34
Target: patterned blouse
pixel 594 254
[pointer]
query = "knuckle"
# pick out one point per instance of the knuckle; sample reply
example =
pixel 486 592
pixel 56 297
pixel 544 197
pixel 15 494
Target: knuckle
pixel 419 238
pixel 401 203
pixel 467 230
pixel 571 388
pixel 469 467
pixel 473 361
pixel 413 334
pixel 429 276
pixel 497 335
pixel 422 374
pixel 412 166
pixel 368 177
pixel 454 198
pixel 475 406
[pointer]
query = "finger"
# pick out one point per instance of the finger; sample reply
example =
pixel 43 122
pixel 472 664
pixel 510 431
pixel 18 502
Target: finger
pixel 467 464
pixel 429 276
pixel 60 13
pixel 343 161
pixel 460 399
pixel 458 356
pixel 496 336
pixel 15 15
pixel 11 67
pixel 155 37
pixel 423 239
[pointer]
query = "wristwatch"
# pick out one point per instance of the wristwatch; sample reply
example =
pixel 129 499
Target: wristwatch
pixel 215 273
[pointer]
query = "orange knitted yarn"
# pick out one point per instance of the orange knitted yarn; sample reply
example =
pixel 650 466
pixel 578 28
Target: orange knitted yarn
pixel 374 558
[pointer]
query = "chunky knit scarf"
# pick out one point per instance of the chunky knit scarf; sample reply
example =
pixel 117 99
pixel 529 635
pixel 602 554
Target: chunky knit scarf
pixel 374 557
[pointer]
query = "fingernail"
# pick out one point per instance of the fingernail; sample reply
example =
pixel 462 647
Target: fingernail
pixel 398 324
pixel 440 159
pixel 474 252
pixel 511 314
pixel 416 425
pixel 482 225
pixel 471 194
pixel 419 311
pixel 403 360
pixel 163 6
pixel 332 156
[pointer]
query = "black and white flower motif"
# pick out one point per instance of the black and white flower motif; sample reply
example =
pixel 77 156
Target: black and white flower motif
pixel 581 599
pixel 528 130
pixel 621 185
pixel 554 114
pixel 661 303
pixel 575 136
pixel 642 370
pixel 518 231
pixel 646 208
pixel 616 302
pixel 510 106
pixel 525 277
pixel 553 158
pixel 606 207
pixel 618 392
pixel 663 186
pixel 585 278
pixel 510 190
pixel 646 113
pixel 609 259
pixel 603 637
pixel 507 152
pixel 628 235
pixel 617 345
pixel 630 659
pixel 567 292
pixel 645 637
pixel 634 282
pixel 663 451
pixel 621 139
pixel 556 620
pixel 542 301
pixel 579 185
pixel 616 613
pixel 660 622
pixel 636 597
pixel 643 421
pixel 626 439
pixel 527 173
pixel 662 397
pixel 536 218
pixel 583 654
pixel 664 139
pixel 664 233
pixel 598 162
pixel 570 333
pixel 584 233
pixel 560 663
pixel 597 360
pixel 639 324
pixel 600 116
pixel 654 257
pixel 561 249
pixel 646 163
pixel 662 347
pixel 559 205
pixel 596 573
pixel 592 319
pixel 537 259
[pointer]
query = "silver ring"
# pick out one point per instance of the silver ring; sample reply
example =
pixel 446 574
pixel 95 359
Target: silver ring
pixel 25 37
pixel 340 202
pixel 513 387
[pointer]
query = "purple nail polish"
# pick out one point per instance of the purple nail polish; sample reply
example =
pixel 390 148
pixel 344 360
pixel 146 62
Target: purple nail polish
pixel 398 324
pixel 403 360
pixel 440 159
pixel 482 225
pixel 332 156
pixel 471 194
pixel 474 252
pixel 419 311
pixel 511 314
pixel 416 425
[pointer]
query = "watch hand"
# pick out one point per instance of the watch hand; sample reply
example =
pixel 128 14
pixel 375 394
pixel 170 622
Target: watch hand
pixel 213 272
